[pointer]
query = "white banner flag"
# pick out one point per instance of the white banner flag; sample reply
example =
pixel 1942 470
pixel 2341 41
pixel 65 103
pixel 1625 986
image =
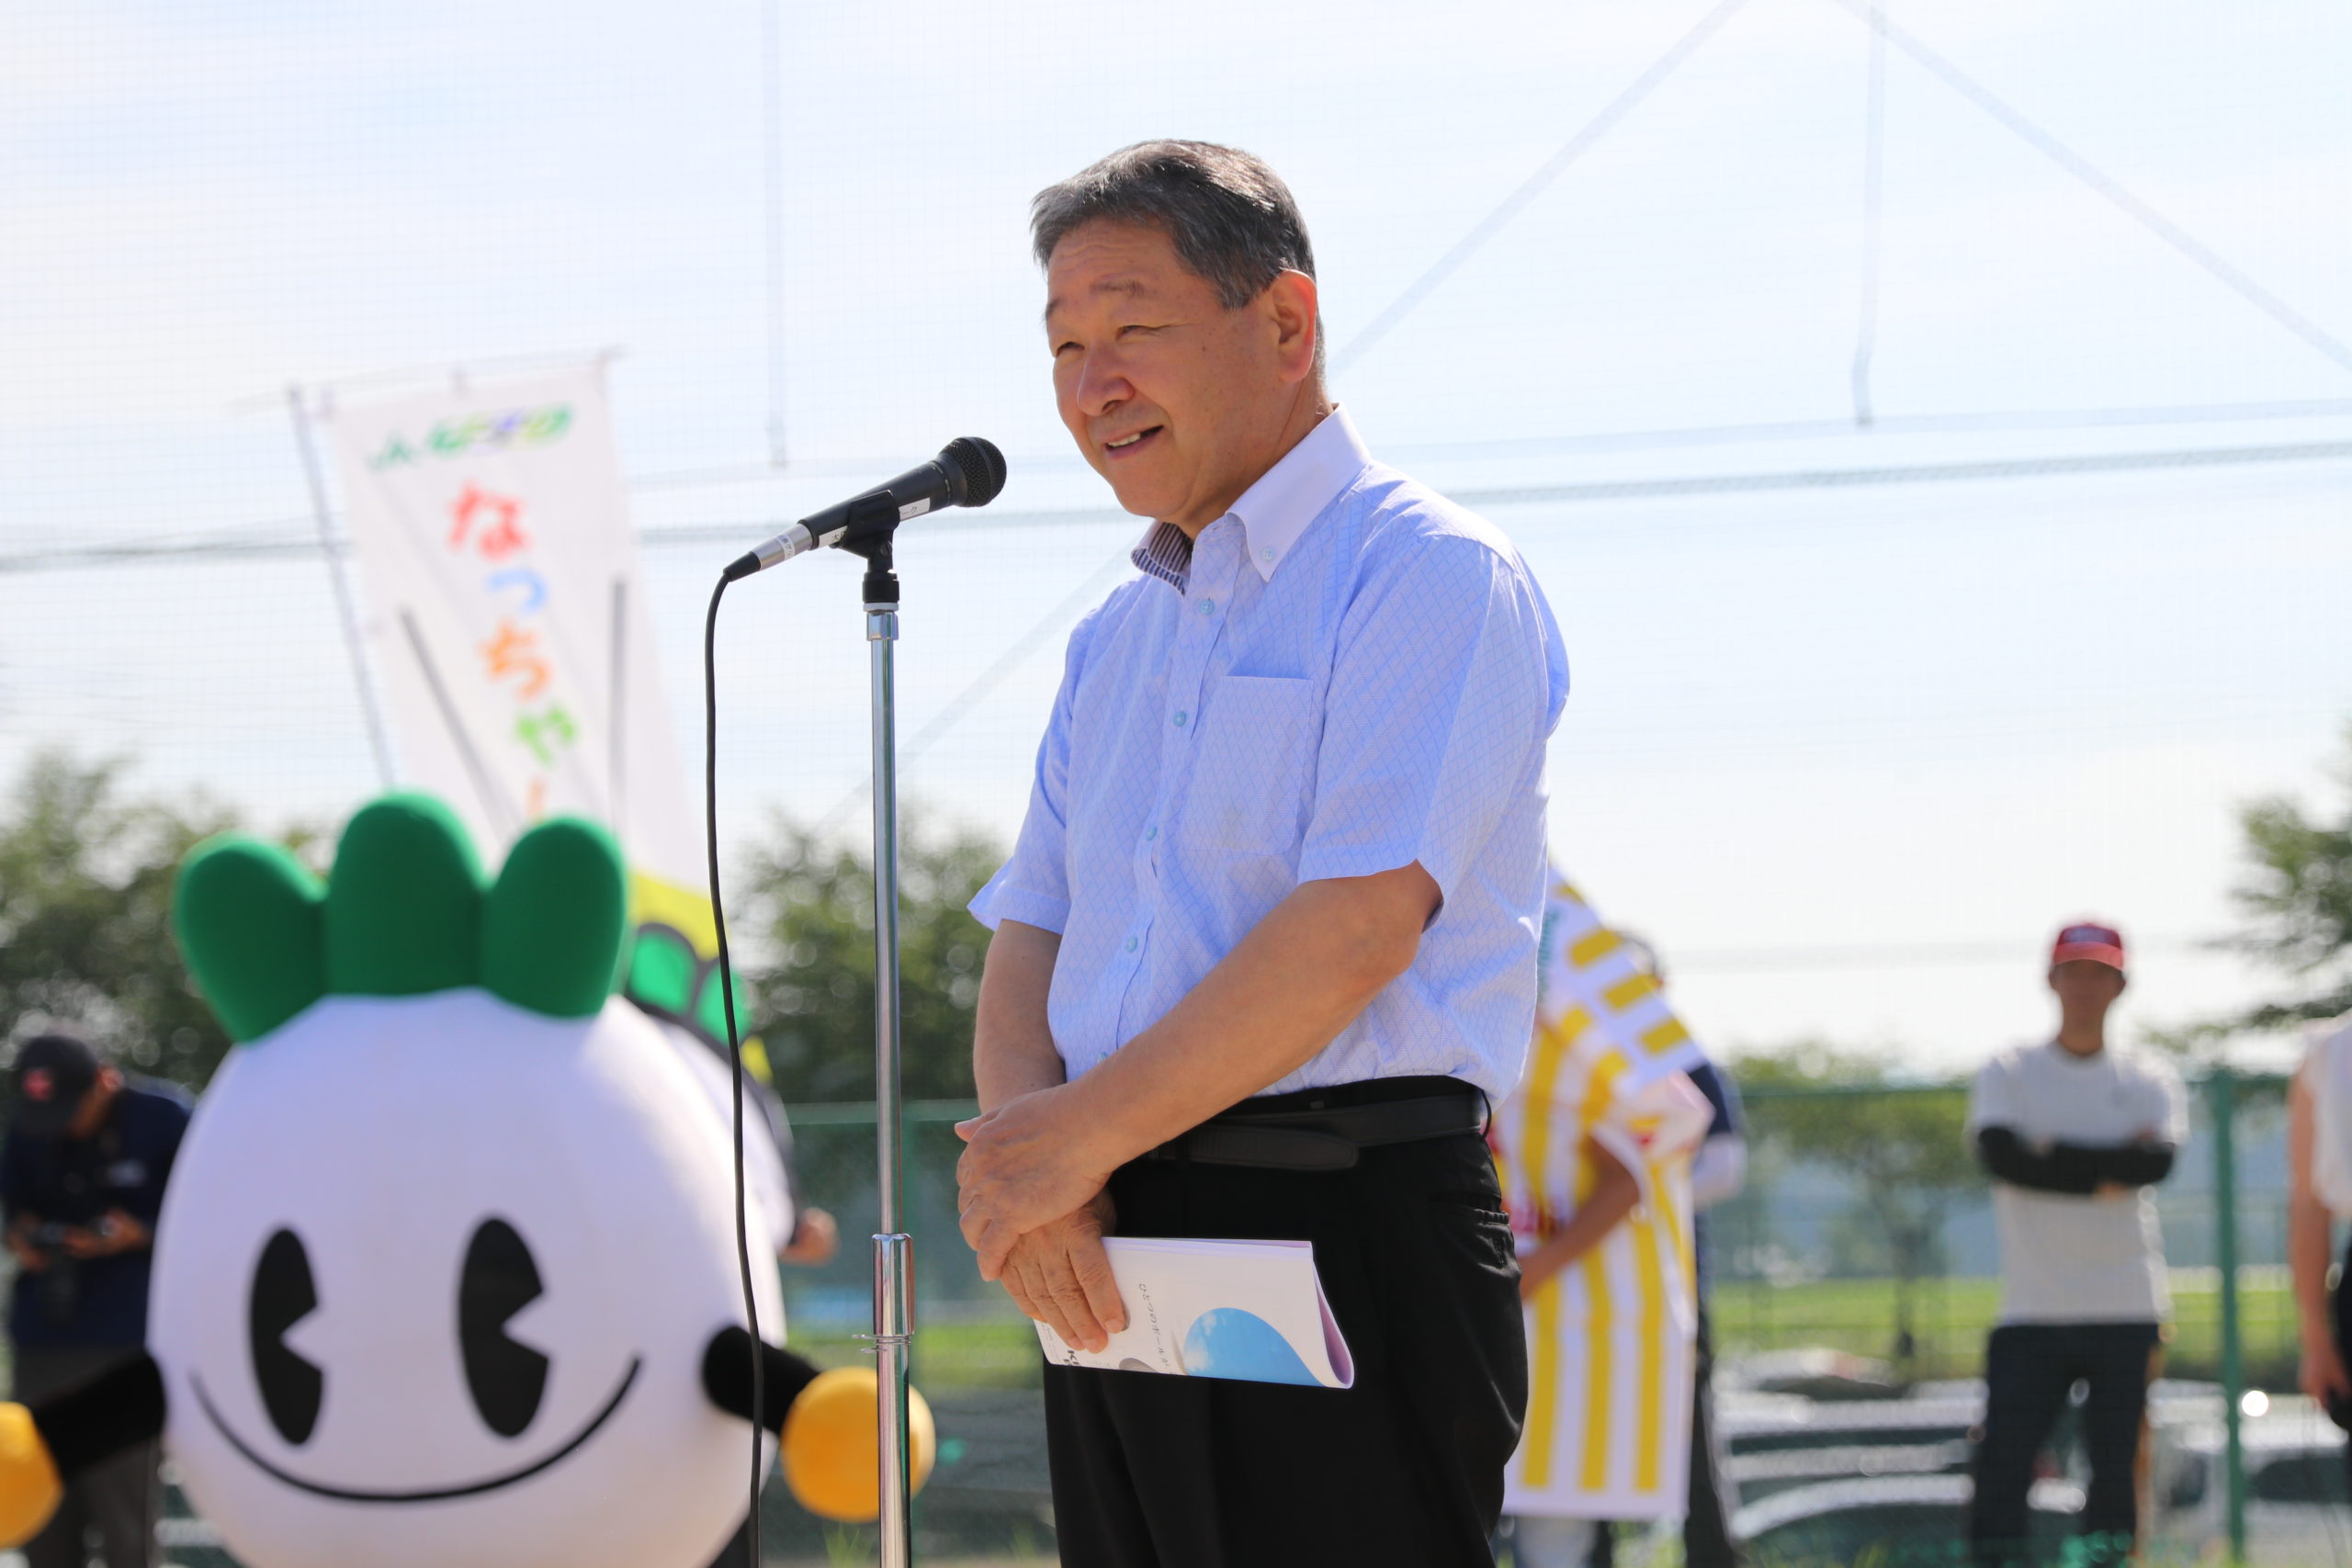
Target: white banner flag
pixel 506 620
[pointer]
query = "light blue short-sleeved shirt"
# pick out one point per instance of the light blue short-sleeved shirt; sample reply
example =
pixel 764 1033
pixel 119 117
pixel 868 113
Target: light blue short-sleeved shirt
pixel 1344 675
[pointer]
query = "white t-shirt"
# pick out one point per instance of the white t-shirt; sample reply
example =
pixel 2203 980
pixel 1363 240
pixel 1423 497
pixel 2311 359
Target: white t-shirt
pixel 2079 1259
pixel 2327 1073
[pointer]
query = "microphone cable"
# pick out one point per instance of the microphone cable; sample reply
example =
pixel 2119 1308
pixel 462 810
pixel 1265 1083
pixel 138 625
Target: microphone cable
pixel 734 1052
pixel 968 471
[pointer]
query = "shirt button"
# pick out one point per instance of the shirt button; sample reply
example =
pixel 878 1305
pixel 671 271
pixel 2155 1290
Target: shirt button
pixel 1131 944
pixel 1180 718
pixel 1151 832
pixel 1209 606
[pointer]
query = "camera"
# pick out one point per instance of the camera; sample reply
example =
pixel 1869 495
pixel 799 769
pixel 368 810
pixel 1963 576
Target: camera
pixel 59 1286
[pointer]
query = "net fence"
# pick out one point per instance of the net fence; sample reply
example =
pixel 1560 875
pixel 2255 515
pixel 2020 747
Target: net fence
pixel 1850 1395
pixel 1833 1368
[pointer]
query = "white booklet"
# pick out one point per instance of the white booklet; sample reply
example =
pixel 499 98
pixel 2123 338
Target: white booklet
pixel 1253 1310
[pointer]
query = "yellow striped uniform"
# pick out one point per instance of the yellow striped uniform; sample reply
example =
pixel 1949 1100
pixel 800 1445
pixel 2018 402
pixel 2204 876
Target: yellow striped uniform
pixel 1610 1338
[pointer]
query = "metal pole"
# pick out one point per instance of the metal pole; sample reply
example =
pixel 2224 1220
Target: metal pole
pixel 772 138
pixel 893 1249
pixel 334 547
pixel 1873 179
pixel 2222 1087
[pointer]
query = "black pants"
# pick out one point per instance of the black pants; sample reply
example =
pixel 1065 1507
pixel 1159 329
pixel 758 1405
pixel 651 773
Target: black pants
pixel 2340 1411
pixel 1706 1528
pixel 115 1499
pixel 2030 1369
pixel 1405 1469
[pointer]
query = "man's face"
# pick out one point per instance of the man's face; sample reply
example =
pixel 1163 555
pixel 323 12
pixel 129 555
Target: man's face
pixel 2085 987
pixel 91 1114
pixel 1177 400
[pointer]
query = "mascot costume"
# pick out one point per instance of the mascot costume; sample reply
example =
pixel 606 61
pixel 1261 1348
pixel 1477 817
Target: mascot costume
pixel 446 1272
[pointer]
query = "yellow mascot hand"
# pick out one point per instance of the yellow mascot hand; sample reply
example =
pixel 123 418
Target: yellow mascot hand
pixel 832 1442
pixel 29 1490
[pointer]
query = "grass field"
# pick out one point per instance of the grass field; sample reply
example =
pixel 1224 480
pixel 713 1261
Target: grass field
pixel 991 1353
pixel 968 1346
pixel 1950 1318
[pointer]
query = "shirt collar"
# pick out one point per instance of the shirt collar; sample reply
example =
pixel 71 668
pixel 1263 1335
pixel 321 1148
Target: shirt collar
pixel 1276 509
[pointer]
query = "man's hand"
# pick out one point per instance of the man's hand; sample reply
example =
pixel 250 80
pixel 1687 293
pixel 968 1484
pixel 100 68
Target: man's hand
pixel 1302 975
pixel 29 1259
pixel 1059 1275
pixel 2322 1374
pixel 118 1232
pixel 815 1238
pixel 1023 1167
pixel 1615 1191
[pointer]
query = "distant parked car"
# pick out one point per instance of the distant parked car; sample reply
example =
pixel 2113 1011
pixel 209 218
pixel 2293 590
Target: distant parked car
pixel 2298 1506
pixel 1813 1371
pixel 1779 1442
pixel 1826 1477
pixel 1890 1521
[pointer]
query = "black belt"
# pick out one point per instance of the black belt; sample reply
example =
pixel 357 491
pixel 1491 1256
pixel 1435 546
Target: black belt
pixel 1327 1139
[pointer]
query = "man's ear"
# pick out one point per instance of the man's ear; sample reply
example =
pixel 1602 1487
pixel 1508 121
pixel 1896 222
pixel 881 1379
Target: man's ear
pixel 1291 302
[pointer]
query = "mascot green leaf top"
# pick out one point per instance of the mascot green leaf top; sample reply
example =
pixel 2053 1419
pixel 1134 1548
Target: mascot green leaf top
pixel 445 1271
pixel 406 914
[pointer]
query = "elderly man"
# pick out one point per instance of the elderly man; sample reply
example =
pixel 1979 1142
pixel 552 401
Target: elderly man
pixel 1266 946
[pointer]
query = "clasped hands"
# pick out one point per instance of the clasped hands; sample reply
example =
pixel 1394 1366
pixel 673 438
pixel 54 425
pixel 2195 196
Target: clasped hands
pixel 1030 1191
pixel 116 1231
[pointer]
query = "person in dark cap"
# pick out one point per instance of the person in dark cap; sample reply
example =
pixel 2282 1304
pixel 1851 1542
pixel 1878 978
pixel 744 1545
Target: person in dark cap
pixel 82 1181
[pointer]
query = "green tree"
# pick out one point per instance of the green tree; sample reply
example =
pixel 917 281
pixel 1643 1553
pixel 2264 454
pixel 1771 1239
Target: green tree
pixel 1903 1146
pixel 85 890
pixel 805 911
pixel 2295 893
pixel 86 880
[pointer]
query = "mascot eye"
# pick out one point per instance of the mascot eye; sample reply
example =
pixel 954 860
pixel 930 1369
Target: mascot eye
pixel 506 1378
pixel 291 1387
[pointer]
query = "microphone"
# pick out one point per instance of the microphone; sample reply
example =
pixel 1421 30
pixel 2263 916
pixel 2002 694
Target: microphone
pixel 968 471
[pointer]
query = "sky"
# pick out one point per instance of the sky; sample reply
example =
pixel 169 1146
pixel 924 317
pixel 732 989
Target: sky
pixel 1848 753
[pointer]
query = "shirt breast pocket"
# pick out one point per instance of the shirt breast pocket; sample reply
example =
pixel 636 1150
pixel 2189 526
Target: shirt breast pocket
pixel 1255 771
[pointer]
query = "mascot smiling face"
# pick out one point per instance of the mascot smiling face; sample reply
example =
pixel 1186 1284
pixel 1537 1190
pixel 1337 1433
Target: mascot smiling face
pixel 452 1230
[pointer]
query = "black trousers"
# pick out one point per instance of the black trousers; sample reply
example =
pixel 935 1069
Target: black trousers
pixel 2030 1369
pixel 2340 1411
pixel 115 1500
pixel 1706 1528
pixel 1405 1469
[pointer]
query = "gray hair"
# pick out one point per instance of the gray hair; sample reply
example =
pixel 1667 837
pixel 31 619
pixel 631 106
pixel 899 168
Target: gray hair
pixel 1232 221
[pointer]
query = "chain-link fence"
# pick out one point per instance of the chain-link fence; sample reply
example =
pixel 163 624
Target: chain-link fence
pixel 1849 1321
pixel 1814 1251
pixel 1850 1309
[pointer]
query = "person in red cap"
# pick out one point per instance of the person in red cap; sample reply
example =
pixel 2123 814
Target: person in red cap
pixel 2074 1134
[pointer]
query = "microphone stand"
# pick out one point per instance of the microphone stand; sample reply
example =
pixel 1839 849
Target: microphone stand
pixel 869 535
